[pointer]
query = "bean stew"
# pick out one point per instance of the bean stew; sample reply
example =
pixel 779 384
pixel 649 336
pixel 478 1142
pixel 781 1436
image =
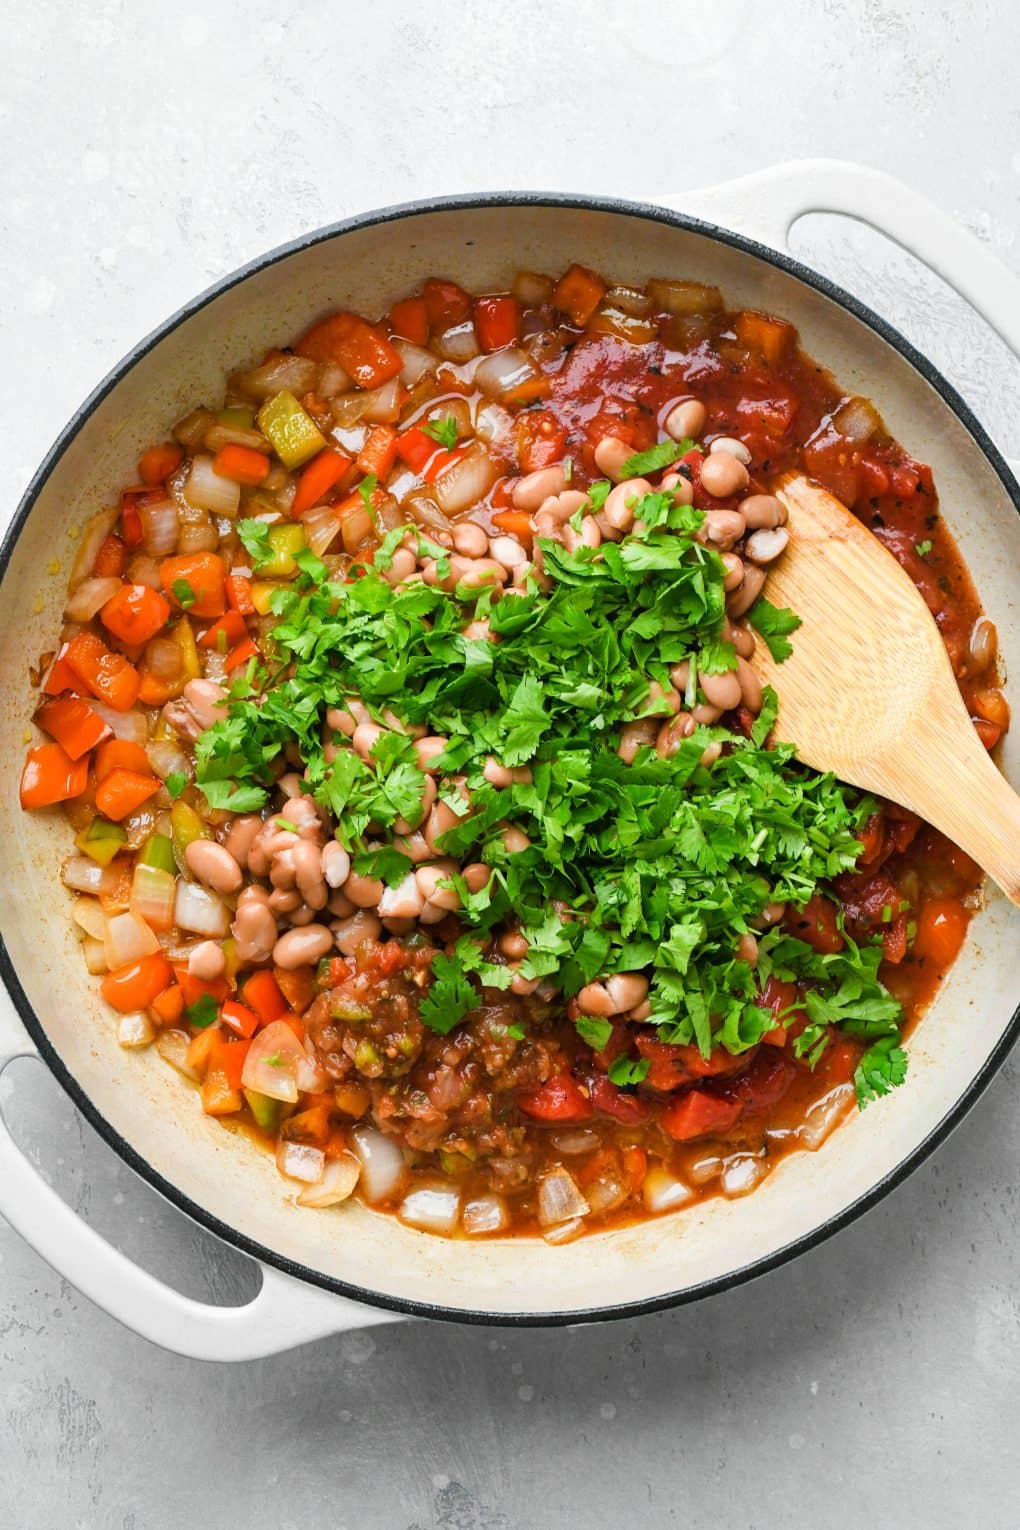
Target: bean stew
pixel 424 803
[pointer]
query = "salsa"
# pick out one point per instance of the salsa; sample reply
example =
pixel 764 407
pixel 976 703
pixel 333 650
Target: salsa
pixel 426 812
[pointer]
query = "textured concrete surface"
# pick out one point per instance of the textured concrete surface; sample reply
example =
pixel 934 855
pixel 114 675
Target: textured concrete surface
pixel 149 148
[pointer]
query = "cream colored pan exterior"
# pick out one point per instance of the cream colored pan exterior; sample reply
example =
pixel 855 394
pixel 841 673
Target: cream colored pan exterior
pixel 149 1113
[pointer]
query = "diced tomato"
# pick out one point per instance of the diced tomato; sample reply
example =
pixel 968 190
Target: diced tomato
pixel 50 775
pixel 763 1084
pixel 238 591
pixel 497 322
pixel 223 634
pixel 120 754
pixel 73 724
pixel 816 924
pixel 779 997
pixel 540 438
pixel 416 448
pixel 242 464
pixel 839 1061
pixel 410 320
pixel 323 473
pixel 135 614
pixel 445 303
pixel 137 984
pixel 298 987
pixel 379 452
pixel 310 1125
pixel 560 1099
pixel 262 993
pixel 578 293
pixel 609 1100
pixel 107 675
pixel 157 463
pixel 111 559
pixel 123 791
pixel 243 1021
pixel 675 1064
pixel 200 583
pixel 941 927
pixel 362 349
pixel 697 1113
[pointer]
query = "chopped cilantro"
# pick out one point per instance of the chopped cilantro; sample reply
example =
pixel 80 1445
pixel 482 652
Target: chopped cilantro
pixel 774 623
pixel 255 539
pixel 595 1031
pixel 656 457
pixel 366 488
pixel 183 593
pixel 626 1071
pixel 175 783
pixel 923 548
pixel 203 1012
pixel 449 998
pixel 444 430
pixel 882 1068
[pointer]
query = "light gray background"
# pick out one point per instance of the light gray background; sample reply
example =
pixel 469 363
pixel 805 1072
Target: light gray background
pixel 150 148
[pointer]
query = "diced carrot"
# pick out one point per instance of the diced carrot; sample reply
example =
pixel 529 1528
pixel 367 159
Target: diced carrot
pixel 445 303
pixel 193 988
pixel 223 634
pixel 241 1020
pixel 311 1125
pixel 138 984
pixel 410 320
pixel 242 464
pixel 73 724
pixel 218 1099
pixel 244 651
pixel 416 448
pixel 121 754
pixel 379 452
pixel 197 577
pixel 316 480
pixel 941 927
pixel 111 559
pixel 61 676
pixel 497 322
pixel 262 993
pixel 50 775
pixel 153 692
pixel 123 791
pixel 168 1006
pixel 107 675
pixel 516 523
pixel 531 388
pixel 771 338
pixel 238 587
pixel 297 987
pixel 578 293
pixel 201 1049
pixel 157 463
pixel 442 462
pixel 559 1099
pixel 698 1114
pixel 135 614
pixel 362 349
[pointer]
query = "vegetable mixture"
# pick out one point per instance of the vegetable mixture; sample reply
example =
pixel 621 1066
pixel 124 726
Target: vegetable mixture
pixel 426 810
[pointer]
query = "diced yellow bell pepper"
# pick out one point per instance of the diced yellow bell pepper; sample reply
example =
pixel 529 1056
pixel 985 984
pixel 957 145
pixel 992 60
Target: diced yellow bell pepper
pixel 285 541
pixel 185 828
pixel 236 418
pixel 262 591
pixel 290 429
pixel 101 840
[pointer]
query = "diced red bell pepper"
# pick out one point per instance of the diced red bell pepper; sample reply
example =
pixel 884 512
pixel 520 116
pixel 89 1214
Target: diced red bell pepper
pixel 111 559
pixel 135 985
pixel 416 448
pixel 445 303
pixel 379 452
pixel 61 676
pixel 157 463
pixel 262 993
pixel 223 634
pixel 50 775
pixel 205 577
pixel 194 988
pixel 410 320
pixel 120 754
pixel 698 1114
pixel 107 675
pixel 360 348
pixel 497 322
pixel 244 651
pixel 73 724
pixel 132 501
pixel 238 591
pixel 442 462
pixel 560 1099
pixel 242 1021
pixel 124 790
pixel 322 474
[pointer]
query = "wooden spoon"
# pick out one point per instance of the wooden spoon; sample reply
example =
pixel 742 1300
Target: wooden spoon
pixel 869 692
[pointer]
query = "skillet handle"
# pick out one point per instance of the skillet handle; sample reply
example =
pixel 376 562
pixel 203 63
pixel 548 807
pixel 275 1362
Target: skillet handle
pixel 767 204
pixel 285 1312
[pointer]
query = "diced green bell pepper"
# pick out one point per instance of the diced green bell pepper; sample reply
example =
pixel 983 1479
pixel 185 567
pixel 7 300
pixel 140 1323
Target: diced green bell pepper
pixel 265 1110
pixel 158 851
pixel 185 828
pixel 290 429
pixel 237 417
pixel 100 840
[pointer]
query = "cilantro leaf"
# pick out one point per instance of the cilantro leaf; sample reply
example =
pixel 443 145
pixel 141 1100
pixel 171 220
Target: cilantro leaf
pixel 626 1071
pixel 881 1069
pixel 774 623
pixel 595 1031
pixel 203 1013
pixel 366 488
pixel 175 783
pixel 450 996
pixel 444 430
pixel 922 549
pixel 656 457
pixel 254 536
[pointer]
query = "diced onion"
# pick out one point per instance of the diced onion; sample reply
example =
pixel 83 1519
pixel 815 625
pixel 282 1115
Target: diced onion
pixel 144 570
pixel 662 1191
pixel 152 896
pixel 348 408
pixel 383 1169
pixel 466 482
pixel 493 423
pixel 383 403
pixel 310 1077
pixel 337 1183
pixel 168 758
pixel 198 909
pixel 504 371
pixel 351 437
pixel 218 436
pixel 459 343
pixel 198 536
pixel 742 1174
pixel 857 419
pixel 90 597
pixel 420 506
pixel 295 373
pixel 161 523
pixel 82 874
pixel 684 299
pixel 564 1232
pixel 559 1199
pixel 173 1046
pixel 296 1160
pixel 355 528
pixel 579 1141
pixel 135 1029
pixel 125 725
pixel 532 289
pixel 93 536
pixel 271 1063
pixel 88 915
pixel 432 1208
pixel 95 956
pixel 632 300
pixel 332 379
pixel 208 491
pixel 703 1168
pixel 322 527
pixel 128 939
pixel 605 1194
pixel 190 431
pixel 417 362
pixel 609 320
pixel 823 1117
pixel 484 1214
pixel 164 658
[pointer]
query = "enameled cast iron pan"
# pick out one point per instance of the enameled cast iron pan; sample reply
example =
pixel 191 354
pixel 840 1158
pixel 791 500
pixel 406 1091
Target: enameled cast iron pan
pixel 147 1112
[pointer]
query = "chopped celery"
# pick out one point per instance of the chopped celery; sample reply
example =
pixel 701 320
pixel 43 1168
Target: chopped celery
pixel 158 851
pixel 236 418
pixel 101 840
pixel 265 1110
pixel 185 828
pixel 262 591
pixel 285 541
pixel 293 433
